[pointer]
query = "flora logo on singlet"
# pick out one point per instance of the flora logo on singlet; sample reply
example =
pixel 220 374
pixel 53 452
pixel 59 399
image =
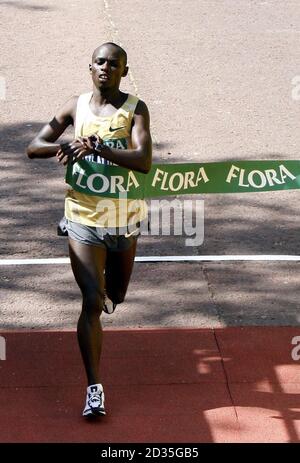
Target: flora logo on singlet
pixel 2 348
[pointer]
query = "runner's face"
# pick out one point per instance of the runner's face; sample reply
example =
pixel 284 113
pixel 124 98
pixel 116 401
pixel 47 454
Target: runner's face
pixel 108 68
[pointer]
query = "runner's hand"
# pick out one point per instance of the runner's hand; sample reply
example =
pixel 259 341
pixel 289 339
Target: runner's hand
pixel 73 152
pixel 91 141
pixel 89 145
pixel 78 149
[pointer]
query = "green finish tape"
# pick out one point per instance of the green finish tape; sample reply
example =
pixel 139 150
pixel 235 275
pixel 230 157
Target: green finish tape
pixel 183 179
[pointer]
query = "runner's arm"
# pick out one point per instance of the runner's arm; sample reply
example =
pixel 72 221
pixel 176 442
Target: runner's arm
pixel 43 145
pixel 138 158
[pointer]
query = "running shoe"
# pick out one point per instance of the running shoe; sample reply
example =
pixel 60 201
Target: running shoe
pixel 109 306
pixel 94 405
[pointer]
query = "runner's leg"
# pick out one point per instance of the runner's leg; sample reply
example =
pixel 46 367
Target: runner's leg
pixel 118 269
pixel 88 264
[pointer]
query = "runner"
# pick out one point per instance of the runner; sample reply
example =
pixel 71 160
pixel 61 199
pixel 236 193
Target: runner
pixel 111 127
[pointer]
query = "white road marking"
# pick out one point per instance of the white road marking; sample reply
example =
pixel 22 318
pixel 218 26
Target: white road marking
pixel 229 258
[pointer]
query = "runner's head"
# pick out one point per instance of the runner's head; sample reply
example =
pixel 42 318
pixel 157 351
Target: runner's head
pixel 109 65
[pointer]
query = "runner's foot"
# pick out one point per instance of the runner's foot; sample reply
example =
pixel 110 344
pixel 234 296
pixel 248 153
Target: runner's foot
pixel 94 405
pixel 109 306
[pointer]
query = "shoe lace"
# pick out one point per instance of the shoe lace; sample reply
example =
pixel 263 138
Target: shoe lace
pixel 94 398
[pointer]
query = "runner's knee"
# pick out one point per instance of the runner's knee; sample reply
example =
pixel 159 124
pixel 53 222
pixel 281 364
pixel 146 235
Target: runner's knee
pixel 93 299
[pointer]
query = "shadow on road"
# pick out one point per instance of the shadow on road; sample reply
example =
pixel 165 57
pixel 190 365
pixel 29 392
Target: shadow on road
pixel 32 198
pixel 25 6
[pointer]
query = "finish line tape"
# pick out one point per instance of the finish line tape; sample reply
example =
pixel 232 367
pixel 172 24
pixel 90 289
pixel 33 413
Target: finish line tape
pixel 96 179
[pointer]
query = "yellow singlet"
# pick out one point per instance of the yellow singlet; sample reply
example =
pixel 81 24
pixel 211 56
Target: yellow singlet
pixel 115 130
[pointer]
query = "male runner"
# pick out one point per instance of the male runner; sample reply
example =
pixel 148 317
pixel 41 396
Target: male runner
pixel 111 127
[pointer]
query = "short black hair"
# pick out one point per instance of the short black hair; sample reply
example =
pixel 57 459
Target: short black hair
pixel 121 50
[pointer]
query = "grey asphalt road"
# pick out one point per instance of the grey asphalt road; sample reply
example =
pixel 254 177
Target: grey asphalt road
pixel 220 81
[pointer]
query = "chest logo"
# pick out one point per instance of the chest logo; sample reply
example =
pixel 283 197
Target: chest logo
pixel 117 128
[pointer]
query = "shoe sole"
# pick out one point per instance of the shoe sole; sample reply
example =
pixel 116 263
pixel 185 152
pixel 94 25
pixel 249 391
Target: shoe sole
pixel 106 311
pixel 94 413
pixel 93 417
